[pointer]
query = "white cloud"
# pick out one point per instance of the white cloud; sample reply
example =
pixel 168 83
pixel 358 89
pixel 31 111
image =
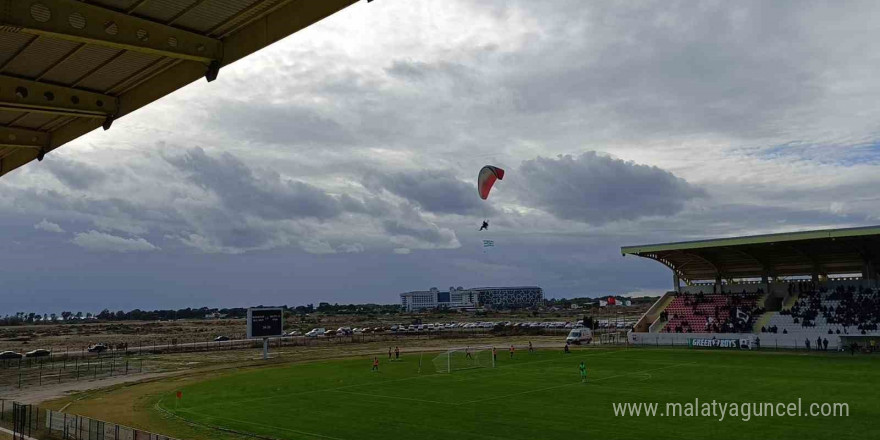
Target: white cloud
pixel 768 111
pixel 99 241
pixel 48 226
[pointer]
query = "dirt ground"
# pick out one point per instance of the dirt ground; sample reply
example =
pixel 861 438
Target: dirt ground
pixel 130 402
pixel 73 337
pixel 38 394
pixel 185 365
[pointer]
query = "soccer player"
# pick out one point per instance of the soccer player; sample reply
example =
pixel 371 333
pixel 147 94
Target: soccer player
pixel 530 347
pixel 467 353
pixel 375 364
pixel 389 353
pixel 511 351
pixel 396 353
pixel 583 368
pixel 494 354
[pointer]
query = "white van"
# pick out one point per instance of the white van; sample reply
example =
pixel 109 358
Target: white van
pixel 579 336
pixel 315 332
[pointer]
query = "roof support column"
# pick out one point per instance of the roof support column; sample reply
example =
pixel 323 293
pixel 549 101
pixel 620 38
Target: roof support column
pixel 718 288
pixel 676 282
pixel 869 271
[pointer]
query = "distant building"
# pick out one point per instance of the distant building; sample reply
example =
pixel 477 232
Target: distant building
pixel 460 298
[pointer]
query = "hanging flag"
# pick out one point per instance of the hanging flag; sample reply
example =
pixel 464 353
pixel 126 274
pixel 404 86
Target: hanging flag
pixel 488 243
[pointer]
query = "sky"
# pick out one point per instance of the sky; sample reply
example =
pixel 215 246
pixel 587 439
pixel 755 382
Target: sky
pixel 339 164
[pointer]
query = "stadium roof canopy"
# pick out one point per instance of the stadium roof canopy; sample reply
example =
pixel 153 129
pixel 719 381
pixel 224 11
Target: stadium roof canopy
pixel 807 253
pixel 68 67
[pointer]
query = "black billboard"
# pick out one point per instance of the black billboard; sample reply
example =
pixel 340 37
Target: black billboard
pixel 264 323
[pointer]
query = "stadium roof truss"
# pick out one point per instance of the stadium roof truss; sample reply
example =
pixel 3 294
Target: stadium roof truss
pixel 808 253
pixel 68 67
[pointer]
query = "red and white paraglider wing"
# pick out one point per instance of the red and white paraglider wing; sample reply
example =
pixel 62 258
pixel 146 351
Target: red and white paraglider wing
pixel 487 177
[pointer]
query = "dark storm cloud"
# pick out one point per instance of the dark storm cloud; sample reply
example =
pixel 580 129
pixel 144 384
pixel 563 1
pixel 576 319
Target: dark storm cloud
pixel 597 189
pixel 287 124
pixel 659 82
pixel 75 175
pixel 667 67
pixel 243 189
pixel 421 231
pixel 437 191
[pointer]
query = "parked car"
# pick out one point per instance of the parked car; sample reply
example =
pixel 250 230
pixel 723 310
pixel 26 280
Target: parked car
pixel 294 333
pixel 221 339
pixel 40 352
pixel 315 332
pixel 10 355
pixel 330 333
pixel 97 348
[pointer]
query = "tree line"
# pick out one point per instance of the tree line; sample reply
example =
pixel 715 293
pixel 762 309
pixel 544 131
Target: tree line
pixel 28 318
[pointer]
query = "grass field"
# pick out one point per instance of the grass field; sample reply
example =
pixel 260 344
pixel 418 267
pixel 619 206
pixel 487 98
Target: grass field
pixel 537 395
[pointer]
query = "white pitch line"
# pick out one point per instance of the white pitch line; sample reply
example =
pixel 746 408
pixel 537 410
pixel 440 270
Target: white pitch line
pixel 570 384
pixel 393 397
pixel 263 425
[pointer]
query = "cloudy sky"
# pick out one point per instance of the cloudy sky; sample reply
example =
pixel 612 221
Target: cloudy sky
pixel 339 164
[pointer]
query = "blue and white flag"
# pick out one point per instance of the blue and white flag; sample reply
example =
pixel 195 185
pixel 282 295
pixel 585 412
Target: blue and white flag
pixel 488 243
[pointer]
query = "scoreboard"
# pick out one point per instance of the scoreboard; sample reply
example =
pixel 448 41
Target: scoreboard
pixel 265 322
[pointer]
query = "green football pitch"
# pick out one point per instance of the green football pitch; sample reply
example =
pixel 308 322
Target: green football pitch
pixel 541 396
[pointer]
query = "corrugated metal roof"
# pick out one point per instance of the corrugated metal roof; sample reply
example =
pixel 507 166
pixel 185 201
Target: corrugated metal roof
pixel 802 253
pixel 131 51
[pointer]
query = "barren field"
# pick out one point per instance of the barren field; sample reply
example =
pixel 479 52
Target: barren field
pixel 71 337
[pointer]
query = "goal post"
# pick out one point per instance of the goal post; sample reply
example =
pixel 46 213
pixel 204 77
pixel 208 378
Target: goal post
pixel 464 358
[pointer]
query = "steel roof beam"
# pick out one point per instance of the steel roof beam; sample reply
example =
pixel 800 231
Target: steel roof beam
pixel 18 94
pixel 85 23
pixel 13 137
pixel 275 24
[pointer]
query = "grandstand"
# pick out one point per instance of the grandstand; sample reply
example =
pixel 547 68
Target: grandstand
pixel 779 289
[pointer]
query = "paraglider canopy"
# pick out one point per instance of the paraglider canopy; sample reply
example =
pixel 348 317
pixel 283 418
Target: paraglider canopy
pixel 487 177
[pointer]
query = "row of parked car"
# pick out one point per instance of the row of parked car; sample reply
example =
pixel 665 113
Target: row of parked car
pixel 42 352
pixel 8 354
pixel 478 325
pixel 432 327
